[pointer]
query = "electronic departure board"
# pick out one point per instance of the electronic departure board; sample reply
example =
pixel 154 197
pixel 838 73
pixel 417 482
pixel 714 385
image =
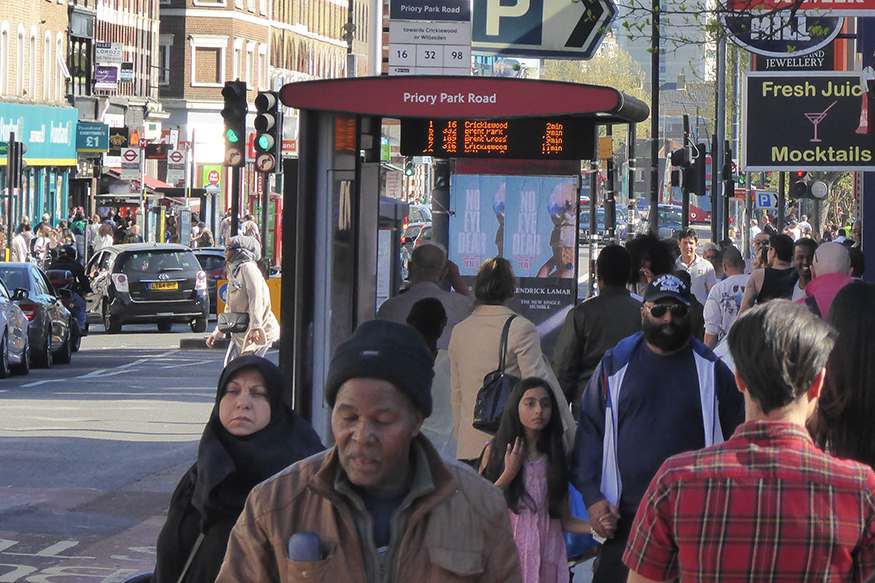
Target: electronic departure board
pixel 558 138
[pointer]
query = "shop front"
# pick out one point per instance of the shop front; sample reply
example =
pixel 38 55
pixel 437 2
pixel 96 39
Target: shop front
pixel 49 133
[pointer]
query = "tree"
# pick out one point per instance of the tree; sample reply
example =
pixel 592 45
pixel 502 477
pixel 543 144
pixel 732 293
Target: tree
pixel 611 66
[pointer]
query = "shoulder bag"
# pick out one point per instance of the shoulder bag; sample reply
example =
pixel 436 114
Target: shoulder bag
pixel 233 322
pixel 492 396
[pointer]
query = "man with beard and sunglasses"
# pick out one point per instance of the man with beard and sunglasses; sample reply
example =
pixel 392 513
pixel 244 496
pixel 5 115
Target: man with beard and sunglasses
pixel 658 393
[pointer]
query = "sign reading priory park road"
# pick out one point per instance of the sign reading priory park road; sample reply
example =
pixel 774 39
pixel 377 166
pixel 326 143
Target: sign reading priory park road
pixel 805 121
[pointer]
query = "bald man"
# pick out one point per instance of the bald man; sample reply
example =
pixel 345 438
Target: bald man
pixel 428 267
pixel 830 271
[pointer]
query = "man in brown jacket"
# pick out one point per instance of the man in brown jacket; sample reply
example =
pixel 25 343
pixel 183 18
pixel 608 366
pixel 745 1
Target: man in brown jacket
pixel 381 506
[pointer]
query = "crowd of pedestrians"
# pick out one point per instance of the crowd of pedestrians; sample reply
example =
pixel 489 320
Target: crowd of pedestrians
pixel 712 413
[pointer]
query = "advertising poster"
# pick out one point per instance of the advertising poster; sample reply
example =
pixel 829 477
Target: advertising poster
pixel 530 221
pixel 477 205
pixel 105 78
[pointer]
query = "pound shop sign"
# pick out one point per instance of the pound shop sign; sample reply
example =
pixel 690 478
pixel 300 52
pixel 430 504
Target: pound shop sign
pixel 816 121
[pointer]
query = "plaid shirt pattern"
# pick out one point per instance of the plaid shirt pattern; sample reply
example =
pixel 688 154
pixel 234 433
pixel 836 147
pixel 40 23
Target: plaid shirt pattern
pixel 767 505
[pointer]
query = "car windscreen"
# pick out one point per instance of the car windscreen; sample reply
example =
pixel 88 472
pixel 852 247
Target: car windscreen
pixel 153 262
pixel 669 215
pixel 14 278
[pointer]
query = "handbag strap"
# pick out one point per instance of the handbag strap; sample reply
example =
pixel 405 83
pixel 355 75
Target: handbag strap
pixel 197 545
pixel 503 347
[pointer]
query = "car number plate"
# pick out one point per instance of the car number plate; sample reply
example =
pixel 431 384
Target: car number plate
pixel 164 285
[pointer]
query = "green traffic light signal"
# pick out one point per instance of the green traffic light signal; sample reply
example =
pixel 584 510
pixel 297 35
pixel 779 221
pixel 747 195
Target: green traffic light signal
pixel 232 136
pixel 265 142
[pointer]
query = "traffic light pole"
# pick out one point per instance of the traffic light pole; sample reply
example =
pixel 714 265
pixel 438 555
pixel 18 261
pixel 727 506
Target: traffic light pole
pixel 235 200
pixel 265 203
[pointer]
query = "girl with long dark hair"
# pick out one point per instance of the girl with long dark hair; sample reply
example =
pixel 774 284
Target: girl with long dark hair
pixel 843 423
pixel 527 459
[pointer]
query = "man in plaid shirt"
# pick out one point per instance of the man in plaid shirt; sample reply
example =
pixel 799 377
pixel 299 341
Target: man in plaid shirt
pixel 767 505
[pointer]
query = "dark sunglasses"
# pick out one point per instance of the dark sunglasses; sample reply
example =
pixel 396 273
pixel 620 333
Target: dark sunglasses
pixel 677 310
pixel 761 243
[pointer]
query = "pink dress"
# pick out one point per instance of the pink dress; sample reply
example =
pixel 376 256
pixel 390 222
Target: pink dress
pixel 539 537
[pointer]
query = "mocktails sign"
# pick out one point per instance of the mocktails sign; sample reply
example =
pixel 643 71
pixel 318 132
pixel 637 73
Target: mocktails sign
pixel 805 122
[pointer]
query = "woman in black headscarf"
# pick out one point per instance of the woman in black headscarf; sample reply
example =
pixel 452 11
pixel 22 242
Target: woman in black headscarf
pixel 251 435
pixel 247 293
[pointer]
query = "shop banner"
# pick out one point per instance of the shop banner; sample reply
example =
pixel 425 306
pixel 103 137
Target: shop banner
pixel 806 121
pixel 48 132
pixel 529 220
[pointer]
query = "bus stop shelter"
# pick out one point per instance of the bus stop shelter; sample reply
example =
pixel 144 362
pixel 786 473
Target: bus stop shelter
pixel 331 193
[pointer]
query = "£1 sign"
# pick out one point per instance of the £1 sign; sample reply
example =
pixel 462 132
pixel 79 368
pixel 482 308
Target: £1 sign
pixel 543 28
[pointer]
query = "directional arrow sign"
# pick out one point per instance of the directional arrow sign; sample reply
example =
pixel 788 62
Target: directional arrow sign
pixel 543 28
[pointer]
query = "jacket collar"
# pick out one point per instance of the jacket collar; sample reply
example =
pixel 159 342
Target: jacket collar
pixel 488 310
pixel 764 432
pixel 827 281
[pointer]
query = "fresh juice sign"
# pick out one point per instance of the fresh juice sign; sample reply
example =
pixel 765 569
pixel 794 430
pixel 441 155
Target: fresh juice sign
pixel 807 122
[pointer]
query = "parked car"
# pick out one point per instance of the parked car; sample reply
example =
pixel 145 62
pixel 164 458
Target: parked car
pixel 14 342
pixel 583 224
pixel 410 232
pixel 423 237
pixel 147 283
pixel 669 219
pixel 212 261
pixel 418 213
pixel 51 325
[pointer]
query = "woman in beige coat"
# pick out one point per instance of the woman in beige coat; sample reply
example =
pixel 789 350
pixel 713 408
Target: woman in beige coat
pixel 474 347
pixel 247 293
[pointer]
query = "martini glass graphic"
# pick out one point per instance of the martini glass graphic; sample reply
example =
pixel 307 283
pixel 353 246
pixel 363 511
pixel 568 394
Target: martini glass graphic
pixel 816 118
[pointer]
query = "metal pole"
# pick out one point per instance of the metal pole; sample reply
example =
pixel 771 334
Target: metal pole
pixel 654 117
pixel 610 200
pixel 235 200
pixel 717 218
pixel 782 197
pixel 685 187
pixel 375 41
pixel 265 206
pixel 630 157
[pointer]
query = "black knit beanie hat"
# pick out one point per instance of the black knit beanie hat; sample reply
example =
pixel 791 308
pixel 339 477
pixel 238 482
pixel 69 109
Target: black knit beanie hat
pixel 385 350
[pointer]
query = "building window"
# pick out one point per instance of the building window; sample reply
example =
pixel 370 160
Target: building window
pixel 19 62
pixel 250 67
pixel 208 60
pixel 237 62
pixel 62 73
pixel 165 41
pixel 33 64
pixel 47 66
pixel 210 3
pixel 4 58
pixel 262 68
pixel 262 6
pixel 80 66
pixel 250 5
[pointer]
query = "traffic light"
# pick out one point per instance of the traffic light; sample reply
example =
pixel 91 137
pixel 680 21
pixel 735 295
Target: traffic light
pixel 741 180
pixel 234 114
pixel 15 163
pixel 268 131
pixel 681 158
pixel 800 184
pixel 695 174
pixel 408 167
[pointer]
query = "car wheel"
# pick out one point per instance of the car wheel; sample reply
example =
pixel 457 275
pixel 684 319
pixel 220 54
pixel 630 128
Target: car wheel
pixel 199 325
pixel 23 367
pixel 110 322
pixel 77 334
pixel 4 356
pixel 64 355
pixel 165 325
pixel 44 358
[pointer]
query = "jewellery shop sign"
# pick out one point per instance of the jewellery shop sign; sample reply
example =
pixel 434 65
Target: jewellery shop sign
pixel 806 121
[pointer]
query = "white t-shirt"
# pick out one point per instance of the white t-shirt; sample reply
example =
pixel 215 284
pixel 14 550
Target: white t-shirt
pixel 701 275
pixel 798 292
pixel 723 304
